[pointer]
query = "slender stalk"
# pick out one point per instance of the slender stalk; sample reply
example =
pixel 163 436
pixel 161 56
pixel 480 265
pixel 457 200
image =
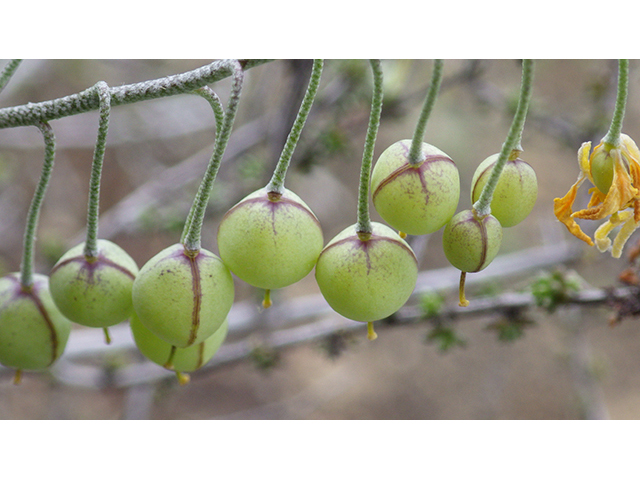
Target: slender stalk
pixel 90 247
pixel 7 72
pixel 26 267
pixel 415 153
pixel 364 220
pixel 276 185
pixel 193 235
pixel 613 135
pixel 216 105
pixel 218 111
pixel 482 207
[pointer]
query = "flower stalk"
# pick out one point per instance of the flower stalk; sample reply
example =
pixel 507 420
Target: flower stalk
pixel 26 266
pixel 363 226
pixel 612 137
pixel 193 225
pixel 482 207
pixel 415 152
pixel 276 185
pixel 90 247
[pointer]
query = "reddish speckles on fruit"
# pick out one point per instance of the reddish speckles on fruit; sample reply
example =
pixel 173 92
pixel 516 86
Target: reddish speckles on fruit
pixel 183 298
pixel 95 292
pixel 270 240
pixel 515 194
pixel 33 332
pixel 367 279
pixel 415 199
pixel 471 243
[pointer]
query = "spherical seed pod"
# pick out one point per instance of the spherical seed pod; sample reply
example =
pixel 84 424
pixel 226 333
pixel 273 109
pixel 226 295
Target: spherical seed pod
pixel 270 240
pixel 367 277
pixel 186 359
pixel 415 199
pixel 515 194
pixel 601 165
pixel 183 297
pixel 33 332
pixel 95 291
pixel 471 243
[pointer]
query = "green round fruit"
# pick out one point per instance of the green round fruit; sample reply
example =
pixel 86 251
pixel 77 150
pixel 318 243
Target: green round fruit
pixel 33 332
pixel 471 243
pixel 270 240
pixel 367 279
pixel 183 298
pixel 186 359
pixel 418 199
pixel 515 194
pixel 95 292
pixel 602 168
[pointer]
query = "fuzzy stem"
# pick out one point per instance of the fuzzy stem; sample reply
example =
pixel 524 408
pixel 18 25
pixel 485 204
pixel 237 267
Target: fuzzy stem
pixel 364 220
pixel 218 111
pixel 276 185
pixel 86 101
pixel 415 153
pixel 192 238
pixel 26 267
pixel 7 72
pixel 90 246
pixel 482 207
pixel 613 135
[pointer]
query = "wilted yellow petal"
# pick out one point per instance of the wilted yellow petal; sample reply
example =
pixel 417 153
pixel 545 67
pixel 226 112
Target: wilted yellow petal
pixel 584 160
pixel 623 235
pixel 562 210
pixel 629 148
pixel 601 235
pixel 619 195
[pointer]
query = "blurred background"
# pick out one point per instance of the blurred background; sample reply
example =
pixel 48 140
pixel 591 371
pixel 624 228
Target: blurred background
pixel 299 360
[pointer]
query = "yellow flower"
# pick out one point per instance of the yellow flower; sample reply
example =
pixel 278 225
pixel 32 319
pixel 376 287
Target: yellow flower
pixel 615 173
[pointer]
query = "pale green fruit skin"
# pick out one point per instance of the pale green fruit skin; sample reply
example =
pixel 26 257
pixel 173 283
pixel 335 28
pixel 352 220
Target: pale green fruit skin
pixel 183 300
pixel 367 280
pixel 33 332
pixel 415 200
pixel 602 169
pixel 515 194
pixel 270 244
pixel 187 359
pixel 471 244
pixel 94 294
